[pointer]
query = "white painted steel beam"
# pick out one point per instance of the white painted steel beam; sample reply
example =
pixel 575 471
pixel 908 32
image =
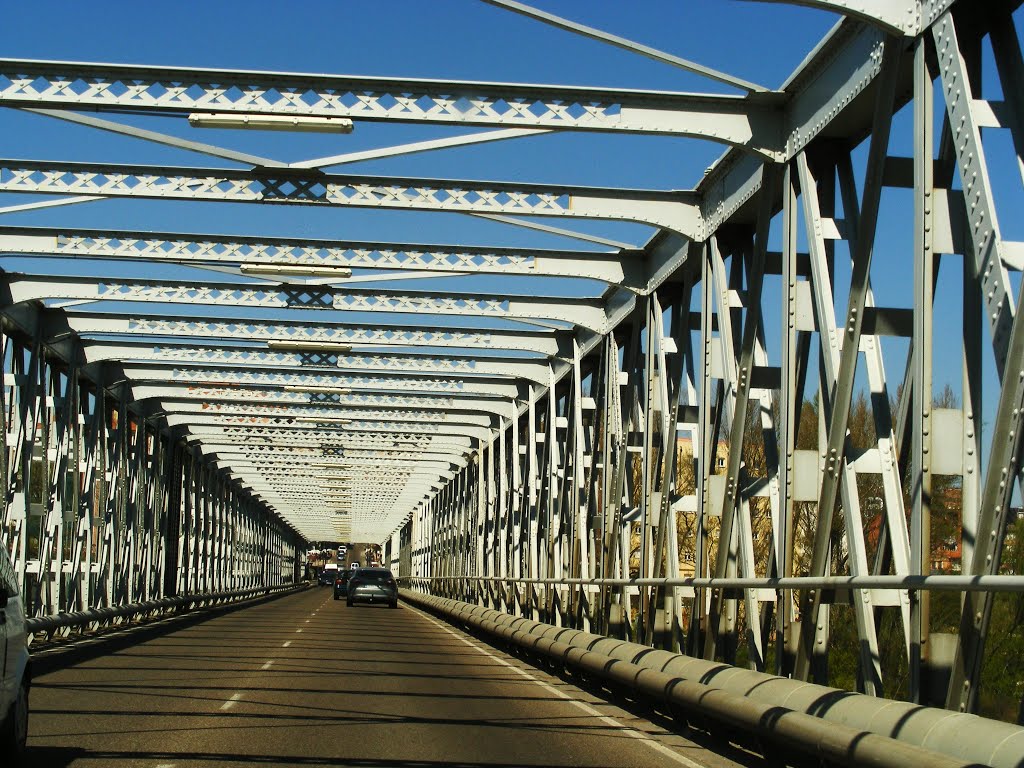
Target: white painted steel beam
pixel 749 122
pixel 617 267
pixel 678 211
pixel 589 313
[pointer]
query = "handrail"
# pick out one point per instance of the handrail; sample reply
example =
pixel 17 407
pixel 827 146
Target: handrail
pixel 934 583
pixel 70 619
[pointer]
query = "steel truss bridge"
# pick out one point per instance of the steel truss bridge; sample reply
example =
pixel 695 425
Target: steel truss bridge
pixel 167 436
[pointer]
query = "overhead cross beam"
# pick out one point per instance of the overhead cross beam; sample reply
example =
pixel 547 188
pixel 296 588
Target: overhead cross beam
pixel 323 336
pixel 199 375
pixel 510 367
pixel 589 313
pixel 214 397
pixel 675 210
pixel 750 122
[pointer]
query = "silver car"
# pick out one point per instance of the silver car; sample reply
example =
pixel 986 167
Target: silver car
pixel 372 585
pixel 16 671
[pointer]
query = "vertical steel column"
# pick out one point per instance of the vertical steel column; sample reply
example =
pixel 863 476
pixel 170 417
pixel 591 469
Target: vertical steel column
pixel 987 248
pixel 504 518
pixel 843 392
pixel 712 393
pixel 921 422
pixel 535 528
pixel 579 566
pixel 790 404
pixel 735 522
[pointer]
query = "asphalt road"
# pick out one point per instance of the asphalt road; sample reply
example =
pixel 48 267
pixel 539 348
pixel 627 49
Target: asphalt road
pixel 305 681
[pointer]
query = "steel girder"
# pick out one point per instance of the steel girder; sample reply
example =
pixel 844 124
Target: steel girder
pixel 101 510
pixel 870 504
pixel 750 122
pixel 322 380
pixel 312 336
pixel 676 211
pixel 618 268
pixel 585 312
pixel 671 431
pixel 509 368
pixel 219 397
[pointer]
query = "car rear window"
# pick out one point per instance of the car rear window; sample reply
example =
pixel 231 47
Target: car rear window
pixel 375 576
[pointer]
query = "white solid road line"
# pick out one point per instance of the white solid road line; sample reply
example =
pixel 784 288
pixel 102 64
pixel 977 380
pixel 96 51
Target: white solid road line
pixel 231 702
pixel 626 729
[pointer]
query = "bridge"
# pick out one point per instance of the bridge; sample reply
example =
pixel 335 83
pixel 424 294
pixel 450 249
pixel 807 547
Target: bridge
pixel 695 438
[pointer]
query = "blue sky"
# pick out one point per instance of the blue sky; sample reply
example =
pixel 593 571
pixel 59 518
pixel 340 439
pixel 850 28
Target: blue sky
pixel 443 39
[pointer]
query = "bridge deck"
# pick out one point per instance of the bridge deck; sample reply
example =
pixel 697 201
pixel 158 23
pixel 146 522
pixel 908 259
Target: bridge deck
pixel 304 681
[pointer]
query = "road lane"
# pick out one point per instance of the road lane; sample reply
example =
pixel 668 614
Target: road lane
pixel 356 686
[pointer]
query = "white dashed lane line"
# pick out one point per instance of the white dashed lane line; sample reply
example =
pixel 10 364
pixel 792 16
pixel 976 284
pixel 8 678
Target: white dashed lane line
pixel 627 730
pixel 231 702
pixel 287 644
pixel 268 665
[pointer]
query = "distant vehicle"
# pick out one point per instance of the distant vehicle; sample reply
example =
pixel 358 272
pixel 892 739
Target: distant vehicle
pixel 341 583
pixel 328 573
pixel 372 585
pixel 17 676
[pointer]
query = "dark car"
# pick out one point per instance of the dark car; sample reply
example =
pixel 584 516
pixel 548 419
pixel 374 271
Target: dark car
pixel 372 585
pixel 326 578
pixel 341 584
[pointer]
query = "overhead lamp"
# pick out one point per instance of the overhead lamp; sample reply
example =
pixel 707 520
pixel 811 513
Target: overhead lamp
pixel 322 420
pixel 294 270
pixel 270 122
pixel 308 346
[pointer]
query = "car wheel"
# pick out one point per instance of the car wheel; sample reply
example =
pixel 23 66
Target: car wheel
pixel 348 603
pixel 337 597
pixel 393 605
pixel 15 728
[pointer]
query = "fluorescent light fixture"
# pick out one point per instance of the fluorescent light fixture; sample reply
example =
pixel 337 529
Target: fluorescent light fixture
pixel 308 346
pixel 294 270
pixel 321 420
pixel 270 122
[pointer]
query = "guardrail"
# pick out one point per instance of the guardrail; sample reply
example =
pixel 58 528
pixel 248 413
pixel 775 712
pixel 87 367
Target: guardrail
pixel 933 583
pixel 93 618
pixel 829 724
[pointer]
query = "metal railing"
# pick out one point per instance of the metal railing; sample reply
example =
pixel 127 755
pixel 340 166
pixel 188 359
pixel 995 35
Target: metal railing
pixel 94 618
pixel 837 726
pixel 932 583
